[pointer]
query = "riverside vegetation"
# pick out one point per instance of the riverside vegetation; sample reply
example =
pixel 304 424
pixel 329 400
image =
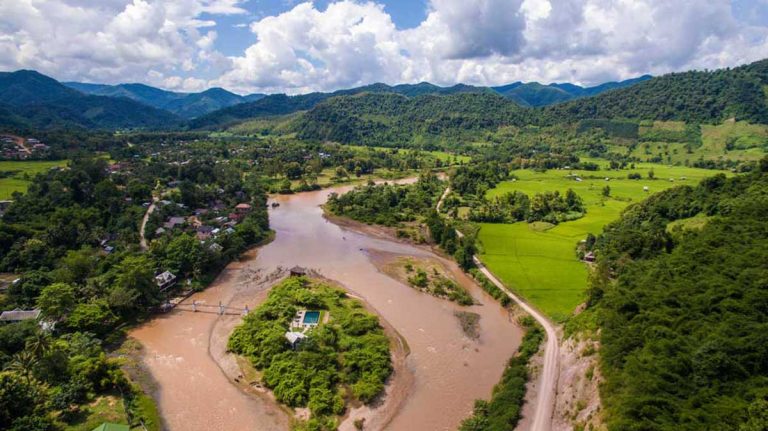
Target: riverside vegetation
pixel 343 360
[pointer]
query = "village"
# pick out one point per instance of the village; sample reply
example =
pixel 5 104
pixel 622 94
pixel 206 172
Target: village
pixel 18 148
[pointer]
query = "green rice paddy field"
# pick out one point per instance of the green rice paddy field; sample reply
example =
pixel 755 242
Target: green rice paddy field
pixel 538 260
pixel 21 174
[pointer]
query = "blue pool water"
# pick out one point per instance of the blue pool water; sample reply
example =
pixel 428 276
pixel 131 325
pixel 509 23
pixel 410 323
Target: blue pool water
pixel 311 317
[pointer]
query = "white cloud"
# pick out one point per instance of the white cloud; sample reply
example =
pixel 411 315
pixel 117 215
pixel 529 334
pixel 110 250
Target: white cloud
pixel 489 42
pixel 108 40
pixel 172 43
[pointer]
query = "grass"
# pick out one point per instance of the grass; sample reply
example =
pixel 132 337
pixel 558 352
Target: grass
pixel 22 174
pixel 539 261
pixel 750 142
pixel 106 408
pixel 443 156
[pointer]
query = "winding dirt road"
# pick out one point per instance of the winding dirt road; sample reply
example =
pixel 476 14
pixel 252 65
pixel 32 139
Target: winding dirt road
pixel 545 400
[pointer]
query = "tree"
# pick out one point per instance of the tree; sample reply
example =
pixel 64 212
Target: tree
pixel 607 191
pixel 182 253
pixel 18 398
pixel 135 275
pixel 23 364
pixel 651 174
pixel 57 300
pixel 758 417
pixel 93 316
pixel 293 170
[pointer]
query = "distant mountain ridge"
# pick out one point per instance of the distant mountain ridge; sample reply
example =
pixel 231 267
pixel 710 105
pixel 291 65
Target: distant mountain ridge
pixel 281 104
pixel 29 99
pixel 186 105
pixel 534 94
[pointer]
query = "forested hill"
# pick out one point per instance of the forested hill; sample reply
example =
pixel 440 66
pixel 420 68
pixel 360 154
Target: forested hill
pixel 681 297
pixel 186 105
pixel 33 100
pixel 710 96
pixel 392 119
pixel 281 104
pixel 533 94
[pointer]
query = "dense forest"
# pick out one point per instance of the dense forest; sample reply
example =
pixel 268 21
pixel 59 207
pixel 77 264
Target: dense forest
pixel 707 96
pixel 388 204
pixel 682 308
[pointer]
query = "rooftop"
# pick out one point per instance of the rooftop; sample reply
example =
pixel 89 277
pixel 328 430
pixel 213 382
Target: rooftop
pixel 18 315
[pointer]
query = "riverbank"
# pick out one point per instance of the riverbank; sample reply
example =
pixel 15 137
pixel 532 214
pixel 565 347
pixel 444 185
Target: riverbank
pixel 240 372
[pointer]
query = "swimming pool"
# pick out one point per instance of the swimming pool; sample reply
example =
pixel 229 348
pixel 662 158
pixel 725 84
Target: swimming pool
pixel 311 317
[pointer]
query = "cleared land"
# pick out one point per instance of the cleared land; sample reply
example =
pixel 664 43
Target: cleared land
pixel 443 156
pixel 732 140
pixel 16 176
pixel 538 260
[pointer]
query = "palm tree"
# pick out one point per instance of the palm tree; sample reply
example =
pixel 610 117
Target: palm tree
pixel 23 363
pixel 39 345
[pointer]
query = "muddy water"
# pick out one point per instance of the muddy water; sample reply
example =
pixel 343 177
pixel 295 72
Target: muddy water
pixel 449 370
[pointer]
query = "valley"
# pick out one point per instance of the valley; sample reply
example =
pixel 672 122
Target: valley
pixel 413 256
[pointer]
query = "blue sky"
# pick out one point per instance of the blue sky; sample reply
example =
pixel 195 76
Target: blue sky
pixel 297 46
pixel 235 35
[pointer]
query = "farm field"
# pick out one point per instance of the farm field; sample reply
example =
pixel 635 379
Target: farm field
pixel 21 174
pixel 440 155
pixel 731 140
pixel 539 260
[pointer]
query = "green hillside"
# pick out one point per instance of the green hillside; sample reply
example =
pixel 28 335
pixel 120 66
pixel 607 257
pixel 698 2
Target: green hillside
pixel 682 313
pixel 37 101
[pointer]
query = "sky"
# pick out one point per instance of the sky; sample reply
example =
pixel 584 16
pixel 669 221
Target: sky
pixel 298 46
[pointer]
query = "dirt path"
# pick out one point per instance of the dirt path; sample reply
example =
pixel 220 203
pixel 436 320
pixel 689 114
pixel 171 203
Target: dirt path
pixel 545 402
pixel 442 198
pixel 547 385
pixel 143 238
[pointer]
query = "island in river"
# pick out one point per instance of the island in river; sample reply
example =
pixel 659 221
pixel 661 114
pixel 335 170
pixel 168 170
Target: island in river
pixel 185 352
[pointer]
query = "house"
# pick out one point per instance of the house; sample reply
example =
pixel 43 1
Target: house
pixel 243 208
pixel 589 257
pixel 165 280
pixel 294 338
pixel 173 222
pixel 215 247
pixel 298 271
pixel 19 315
pixel 204 232
pixel 159 231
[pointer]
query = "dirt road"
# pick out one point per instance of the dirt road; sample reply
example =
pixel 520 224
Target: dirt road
pixel 545 401
pixel 143 239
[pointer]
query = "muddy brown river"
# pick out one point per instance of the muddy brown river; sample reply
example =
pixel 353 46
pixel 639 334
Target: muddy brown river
pixel 182 349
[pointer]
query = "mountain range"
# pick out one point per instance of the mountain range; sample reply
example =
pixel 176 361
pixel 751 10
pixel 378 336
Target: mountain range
pixel 533 94
pixel 185 105
pixel 30 100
